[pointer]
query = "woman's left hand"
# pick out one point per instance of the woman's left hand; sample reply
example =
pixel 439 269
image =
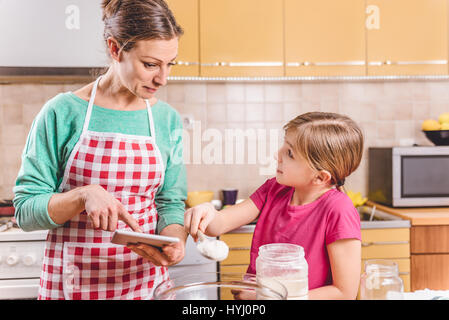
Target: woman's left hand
pixel 168 255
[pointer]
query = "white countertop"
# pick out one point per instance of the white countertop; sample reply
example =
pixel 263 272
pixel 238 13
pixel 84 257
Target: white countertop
pixel 16 234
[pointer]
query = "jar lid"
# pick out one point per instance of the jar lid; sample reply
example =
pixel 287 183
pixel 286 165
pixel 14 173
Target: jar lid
pixel 381 266
pixel 281 252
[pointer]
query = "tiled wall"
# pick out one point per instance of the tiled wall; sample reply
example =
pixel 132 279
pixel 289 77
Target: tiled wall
pixel 387 111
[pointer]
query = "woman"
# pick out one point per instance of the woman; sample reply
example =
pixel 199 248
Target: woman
pixel 106 157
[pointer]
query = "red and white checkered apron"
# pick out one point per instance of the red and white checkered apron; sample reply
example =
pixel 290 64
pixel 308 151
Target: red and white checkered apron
pixel 80 262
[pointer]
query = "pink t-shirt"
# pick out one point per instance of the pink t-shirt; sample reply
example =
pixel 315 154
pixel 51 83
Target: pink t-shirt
pixel 330 218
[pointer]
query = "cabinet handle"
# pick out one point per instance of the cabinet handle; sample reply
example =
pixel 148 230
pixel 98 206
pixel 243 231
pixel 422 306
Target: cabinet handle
pixel 186 63
pixel 368 244
pixel 323 64
pixel 389 62
pixel 240 248
pixel 244 64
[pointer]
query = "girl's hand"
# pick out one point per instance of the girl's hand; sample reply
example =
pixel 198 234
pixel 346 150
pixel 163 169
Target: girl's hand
pixel 199 217
pixel 104 210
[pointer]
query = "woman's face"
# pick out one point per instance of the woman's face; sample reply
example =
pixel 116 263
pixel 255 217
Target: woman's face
pixel 145 68
pixel 292 169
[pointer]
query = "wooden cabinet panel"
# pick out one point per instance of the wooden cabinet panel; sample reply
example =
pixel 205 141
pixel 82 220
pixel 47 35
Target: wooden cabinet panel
pixel 234 269
pixel 430 239
pixel 186 13
pixel 407 37
pixel 384 251
pixel 386 235
pixel 430 271
pixel 237 257
pixel 325 37
pixel 237 240
pixel 385 243
pixel 241 38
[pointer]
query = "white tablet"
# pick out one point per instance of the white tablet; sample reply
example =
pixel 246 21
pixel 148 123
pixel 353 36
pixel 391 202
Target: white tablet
pixel 124 237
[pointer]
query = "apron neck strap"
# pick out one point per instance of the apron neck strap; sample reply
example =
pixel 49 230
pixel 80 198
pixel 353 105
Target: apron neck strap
pixel 91 104
pixel 150 120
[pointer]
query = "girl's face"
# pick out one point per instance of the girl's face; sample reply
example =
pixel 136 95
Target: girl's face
pixel 145 68
pixel 293 169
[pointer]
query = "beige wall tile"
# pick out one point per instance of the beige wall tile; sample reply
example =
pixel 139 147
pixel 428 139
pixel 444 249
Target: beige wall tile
pixel 216 113
pixel 175 93
pixel 387 111
pixel 30 111
pixel 235 112
pixel 255 112
pixel 254 93
pixel 273 92
pixel 292 92
pixel 235 92
pixel 291 110
pixel 12 114
pixel 216 92
pixel 195 93
pixel 274 112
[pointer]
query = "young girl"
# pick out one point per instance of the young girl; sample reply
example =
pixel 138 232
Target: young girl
pixel 304 204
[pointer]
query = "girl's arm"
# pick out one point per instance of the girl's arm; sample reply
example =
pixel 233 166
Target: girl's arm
pixel 215 223
pixel 345 261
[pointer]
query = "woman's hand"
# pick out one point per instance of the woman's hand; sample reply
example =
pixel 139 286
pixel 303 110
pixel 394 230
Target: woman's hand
pixel 170 254
pixel 104 210
pixel 199 217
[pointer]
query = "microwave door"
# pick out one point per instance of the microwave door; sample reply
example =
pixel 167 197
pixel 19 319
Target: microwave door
pixel 421 180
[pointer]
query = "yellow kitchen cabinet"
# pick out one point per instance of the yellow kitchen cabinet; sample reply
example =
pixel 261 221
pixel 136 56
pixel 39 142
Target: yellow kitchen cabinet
pixel 241 38
pixel 325 38
pixel 407 37
pixel 238 258
pixel 186 13
pixel 239 248
pixel 391 244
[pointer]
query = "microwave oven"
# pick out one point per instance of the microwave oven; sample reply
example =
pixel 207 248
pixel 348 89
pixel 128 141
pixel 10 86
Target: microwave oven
pixel 409 176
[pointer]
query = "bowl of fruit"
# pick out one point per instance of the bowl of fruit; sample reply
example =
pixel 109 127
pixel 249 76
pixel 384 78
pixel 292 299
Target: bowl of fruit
pixel 437 131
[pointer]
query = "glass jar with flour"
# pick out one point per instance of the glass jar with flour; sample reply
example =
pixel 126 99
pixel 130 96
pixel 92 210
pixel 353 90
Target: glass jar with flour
pixel 284 262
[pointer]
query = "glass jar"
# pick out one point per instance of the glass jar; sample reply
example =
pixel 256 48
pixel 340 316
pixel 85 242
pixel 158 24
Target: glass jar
pixel 381 281
pixel 285 263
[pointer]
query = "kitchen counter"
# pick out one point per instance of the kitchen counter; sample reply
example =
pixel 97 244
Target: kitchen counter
pixel 418 216
pixel 249 228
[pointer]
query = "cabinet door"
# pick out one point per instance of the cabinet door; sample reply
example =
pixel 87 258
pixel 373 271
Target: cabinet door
pixel 324 37
pixel 187 15
pixel 241 38
pixel 407 37
pixel 430 271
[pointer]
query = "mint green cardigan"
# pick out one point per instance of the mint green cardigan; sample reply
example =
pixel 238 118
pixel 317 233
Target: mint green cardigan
pixel 56 130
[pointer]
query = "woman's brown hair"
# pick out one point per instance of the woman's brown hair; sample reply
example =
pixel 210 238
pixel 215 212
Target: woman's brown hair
pixel 328 141
pixel 129 21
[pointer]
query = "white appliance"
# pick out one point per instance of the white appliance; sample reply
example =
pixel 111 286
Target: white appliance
pixel 409 176
pixel 21 257
pixel 49 33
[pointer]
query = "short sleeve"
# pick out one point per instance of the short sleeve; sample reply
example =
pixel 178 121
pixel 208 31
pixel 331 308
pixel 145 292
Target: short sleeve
pixel 343 223
pixel 259 197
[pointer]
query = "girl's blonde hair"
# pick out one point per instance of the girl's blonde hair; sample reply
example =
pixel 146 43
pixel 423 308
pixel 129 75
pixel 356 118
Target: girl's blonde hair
pixel 328 141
